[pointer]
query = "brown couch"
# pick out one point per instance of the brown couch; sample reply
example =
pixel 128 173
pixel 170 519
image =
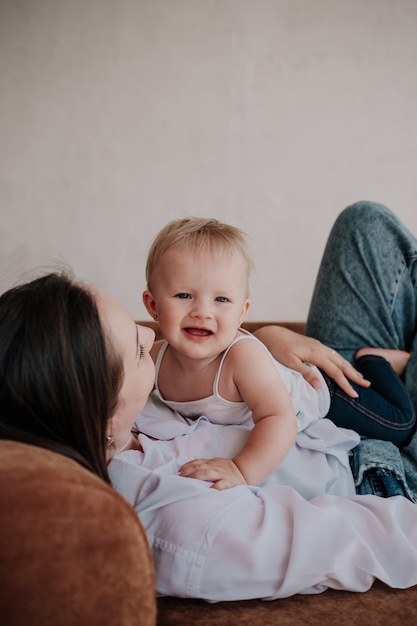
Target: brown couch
pixel 73 552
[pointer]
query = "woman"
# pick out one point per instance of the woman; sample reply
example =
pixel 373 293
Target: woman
pixel 75 370
pixel 74 373
pixel 366 295
pixel 366 291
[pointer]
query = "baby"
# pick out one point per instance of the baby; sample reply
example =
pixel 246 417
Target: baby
pixel 198 289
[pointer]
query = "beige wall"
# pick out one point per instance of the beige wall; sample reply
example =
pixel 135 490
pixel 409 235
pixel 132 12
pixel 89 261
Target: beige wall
pixel 119 115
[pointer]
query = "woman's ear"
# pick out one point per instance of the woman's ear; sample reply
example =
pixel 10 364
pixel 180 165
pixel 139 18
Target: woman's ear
pixel 109 440
pixel 150 304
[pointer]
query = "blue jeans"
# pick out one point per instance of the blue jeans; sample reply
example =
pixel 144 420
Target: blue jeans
pixel 366 287
pixel 366 295
pixel 382 411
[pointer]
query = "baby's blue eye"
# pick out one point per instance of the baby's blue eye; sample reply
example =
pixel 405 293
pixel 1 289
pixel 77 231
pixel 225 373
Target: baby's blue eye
pixel 183 296
pixel 221 299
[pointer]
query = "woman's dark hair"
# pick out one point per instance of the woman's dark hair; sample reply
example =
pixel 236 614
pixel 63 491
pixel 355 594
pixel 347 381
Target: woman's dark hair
pixel 59 376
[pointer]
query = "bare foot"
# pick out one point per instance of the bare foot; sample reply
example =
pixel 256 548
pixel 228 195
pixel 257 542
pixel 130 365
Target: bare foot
pixel 397 358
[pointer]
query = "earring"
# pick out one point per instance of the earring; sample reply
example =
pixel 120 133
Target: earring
pixel 109 441
pixel 155 316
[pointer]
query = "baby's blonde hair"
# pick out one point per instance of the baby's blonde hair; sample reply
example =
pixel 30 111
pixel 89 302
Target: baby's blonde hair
pixel 198 234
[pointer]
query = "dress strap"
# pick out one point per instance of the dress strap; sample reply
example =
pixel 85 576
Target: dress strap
pixel 245 335
pixel 158 360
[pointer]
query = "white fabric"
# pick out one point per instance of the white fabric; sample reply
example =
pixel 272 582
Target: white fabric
pixel 318 462
pixel 269 541
pixel 309 404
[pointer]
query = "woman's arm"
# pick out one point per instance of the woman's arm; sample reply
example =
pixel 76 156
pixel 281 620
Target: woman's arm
pixel 295 350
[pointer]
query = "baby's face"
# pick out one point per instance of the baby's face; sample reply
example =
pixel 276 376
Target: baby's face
pixel 200 298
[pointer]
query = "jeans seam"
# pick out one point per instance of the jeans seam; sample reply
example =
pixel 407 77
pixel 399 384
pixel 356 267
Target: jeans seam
pixel 374 416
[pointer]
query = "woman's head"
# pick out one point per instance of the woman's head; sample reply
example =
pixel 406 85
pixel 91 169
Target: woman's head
pixel 133 344
pixel 61 368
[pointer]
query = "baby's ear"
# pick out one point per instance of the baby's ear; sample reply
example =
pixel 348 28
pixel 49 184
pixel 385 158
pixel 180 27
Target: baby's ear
pixel 149 302
pixel 245 310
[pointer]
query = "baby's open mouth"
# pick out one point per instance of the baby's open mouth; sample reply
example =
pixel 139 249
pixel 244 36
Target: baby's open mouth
pixel 198 332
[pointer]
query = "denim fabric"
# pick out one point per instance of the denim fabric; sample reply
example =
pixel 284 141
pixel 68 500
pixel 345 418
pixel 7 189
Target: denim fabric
pixel 378 469
pixel 366 288
pixel 409 459
pixel 366 295
pixel 382 411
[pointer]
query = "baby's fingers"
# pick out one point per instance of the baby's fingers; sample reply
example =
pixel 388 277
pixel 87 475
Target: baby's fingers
pixel 194 469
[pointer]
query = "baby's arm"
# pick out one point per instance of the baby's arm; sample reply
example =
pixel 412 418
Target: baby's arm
pixel 261 388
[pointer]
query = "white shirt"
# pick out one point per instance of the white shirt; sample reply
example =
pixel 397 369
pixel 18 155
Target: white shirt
pixel 269 541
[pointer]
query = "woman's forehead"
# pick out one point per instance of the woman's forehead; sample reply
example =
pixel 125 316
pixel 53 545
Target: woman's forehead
pixel 115 317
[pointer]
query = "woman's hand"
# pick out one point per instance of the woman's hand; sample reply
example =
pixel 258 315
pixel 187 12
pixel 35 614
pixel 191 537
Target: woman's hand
pixel 295 350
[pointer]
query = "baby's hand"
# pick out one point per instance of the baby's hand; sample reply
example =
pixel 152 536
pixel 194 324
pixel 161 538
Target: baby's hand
pixel 223 473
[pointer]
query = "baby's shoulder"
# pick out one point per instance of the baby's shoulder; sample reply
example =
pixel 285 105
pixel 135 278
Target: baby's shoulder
pixel 245 345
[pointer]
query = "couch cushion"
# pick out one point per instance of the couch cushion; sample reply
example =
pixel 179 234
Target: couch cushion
pixel 380 606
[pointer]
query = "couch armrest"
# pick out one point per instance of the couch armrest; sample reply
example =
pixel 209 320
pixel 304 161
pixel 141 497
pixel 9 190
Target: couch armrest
pixel 72 550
